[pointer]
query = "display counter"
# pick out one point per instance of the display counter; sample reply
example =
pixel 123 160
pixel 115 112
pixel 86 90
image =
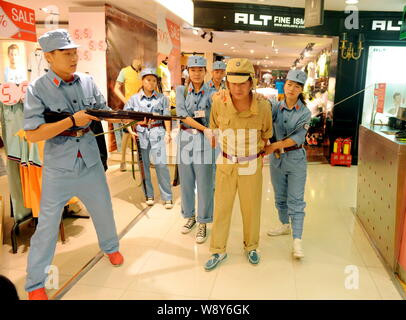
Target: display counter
pixel 381 192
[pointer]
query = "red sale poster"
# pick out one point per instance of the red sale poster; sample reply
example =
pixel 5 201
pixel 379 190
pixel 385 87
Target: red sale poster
pixel 380 91
pixel 17 22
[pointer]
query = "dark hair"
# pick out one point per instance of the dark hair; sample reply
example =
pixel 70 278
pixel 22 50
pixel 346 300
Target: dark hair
pixel 301 98
pixel 8 290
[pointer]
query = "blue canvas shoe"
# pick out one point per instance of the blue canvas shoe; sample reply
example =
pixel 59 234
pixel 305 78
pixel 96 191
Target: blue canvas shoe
pixel 214 261
pixel 253 257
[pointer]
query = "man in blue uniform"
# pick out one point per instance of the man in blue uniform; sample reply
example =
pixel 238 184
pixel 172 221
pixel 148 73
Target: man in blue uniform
pixel 72 165
pixel 288 158
pixel 219 72
pixel 195 154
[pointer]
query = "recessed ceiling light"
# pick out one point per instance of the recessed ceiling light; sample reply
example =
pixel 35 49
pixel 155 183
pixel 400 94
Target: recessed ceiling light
pixel 232 48
pixel 266 57
pixel 351 1
pixel 252 51
pixel 226 44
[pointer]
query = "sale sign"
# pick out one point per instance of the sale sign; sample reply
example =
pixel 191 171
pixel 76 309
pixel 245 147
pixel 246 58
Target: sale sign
pixel 17 22
pixel 379 92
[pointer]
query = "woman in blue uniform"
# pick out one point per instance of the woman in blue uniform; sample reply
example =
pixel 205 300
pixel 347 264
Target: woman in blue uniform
pixel 288 158
pixel 152 135
pixel 195 155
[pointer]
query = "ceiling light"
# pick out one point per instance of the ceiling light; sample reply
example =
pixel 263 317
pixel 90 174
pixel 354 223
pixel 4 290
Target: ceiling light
pixel 252 51
pixel 266 57
pixel 351 1
pixel 232 48
pixel 226 44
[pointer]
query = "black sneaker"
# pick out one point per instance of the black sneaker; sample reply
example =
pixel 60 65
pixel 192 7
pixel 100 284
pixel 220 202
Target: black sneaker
pixel 191 222
pixel 201 235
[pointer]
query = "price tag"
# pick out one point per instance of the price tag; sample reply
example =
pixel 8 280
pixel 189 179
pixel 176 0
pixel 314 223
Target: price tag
pixel 200 114
pixel 10 94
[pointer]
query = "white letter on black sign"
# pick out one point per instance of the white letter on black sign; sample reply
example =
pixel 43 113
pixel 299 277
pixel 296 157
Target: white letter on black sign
pixel 241 17
pixel 352 21
pixel 255 22
pixel 379 25
pixel 265 18
pixel 393 28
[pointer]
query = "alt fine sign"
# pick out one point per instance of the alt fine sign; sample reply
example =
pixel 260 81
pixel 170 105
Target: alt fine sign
pixel 268 20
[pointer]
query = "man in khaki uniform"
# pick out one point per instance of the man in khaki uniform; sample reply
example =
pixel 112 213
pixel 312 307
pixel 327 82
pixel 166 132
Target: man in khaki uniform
pixel 244 124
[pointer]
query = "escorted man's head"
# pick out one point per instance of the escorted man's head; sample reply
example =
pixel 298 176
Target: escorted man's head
pixel 240 78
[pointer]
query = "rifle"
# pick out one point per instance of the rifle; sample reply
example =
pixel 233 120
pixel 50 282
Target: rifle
pixel 51 116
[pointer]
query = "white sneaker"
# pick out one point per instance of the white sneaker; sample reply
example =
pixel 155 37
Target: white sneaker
pixel 297 249
pixel 168 204
pixel 282 230
pixel 201 234
pixel 150 201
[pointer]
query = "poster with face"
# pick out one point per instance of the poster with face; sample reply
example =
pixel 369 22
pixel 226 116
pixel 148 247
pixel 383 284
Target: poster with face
pixel 14 62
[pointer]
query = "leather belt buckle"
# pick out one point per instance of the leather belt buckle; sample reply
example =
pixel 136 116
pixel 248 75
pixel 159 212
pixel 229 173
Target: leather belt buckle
pixel 281 150
pixel 79 133
pixel 234 159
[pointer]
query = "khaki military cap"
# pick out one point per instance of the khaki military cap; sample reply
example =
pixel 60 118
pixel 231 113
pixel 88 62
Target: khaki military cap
pixel 239 70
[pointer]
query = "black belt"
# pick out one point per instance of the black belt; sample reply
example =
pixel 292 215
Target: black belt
pixel 151 125
pixel 292 148
pixel 74 133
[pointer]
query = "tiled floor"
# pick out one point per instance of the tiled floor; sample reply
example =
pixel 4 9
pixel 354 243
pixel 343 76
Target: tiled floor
pixel 161 263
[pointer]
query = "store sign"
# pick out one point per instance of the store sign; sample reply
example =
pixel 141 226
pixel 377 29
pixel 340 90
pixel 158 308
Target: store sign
pixel 275 21
pixel 384 25
pixel 17 22
pixel 314 13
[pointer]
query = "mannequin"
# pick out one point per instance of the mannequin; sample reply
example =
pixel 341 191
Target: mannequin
pixel 164 77
pixel 129 80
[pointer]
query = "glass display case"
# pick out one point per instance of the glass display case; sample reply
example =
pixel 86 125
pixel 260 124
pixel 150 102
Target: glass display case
pixel 385 86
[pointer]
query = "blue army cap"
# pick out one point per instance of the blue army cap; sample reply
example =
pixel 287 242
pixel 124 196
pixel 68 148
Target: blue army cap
pixel 147 72
pixel 219 65
pixel 297 76
pixel 196 61
pixel 56 39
